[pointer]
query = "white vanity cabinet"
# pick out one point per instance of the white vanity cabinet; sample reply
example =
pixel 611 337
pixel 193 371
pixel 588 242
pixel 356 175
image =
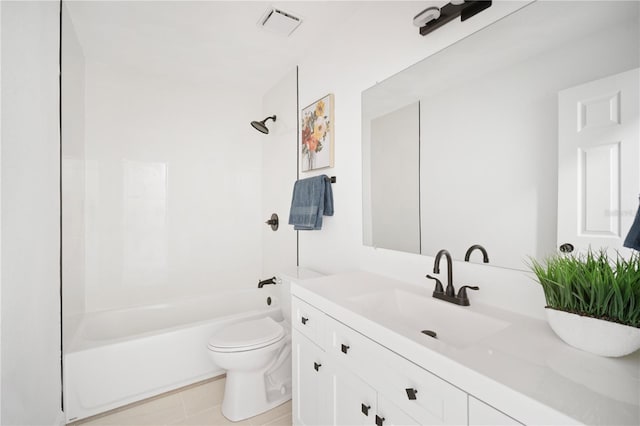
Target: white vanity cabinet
pixel 361 382
pixel 366 331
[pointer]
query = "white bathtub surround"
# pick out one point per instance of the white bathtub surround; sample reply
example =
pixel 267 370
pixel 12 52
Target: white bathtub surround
pixel 594 335
pixel 121 356
pixel 172 192
pixel 522 370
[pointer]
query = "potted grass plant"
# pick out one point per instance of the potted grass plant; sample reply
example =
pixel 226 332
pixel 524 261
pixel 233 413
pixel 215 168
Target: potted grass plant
pixel 593 302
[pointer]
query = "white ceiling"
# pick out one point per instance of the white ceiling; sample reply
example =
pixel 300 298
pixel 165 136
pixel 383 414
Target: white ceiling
pixel 206 41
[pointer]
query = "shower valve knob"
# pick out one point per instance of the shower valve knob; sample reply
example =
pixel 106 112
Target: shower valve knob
pixel 273 222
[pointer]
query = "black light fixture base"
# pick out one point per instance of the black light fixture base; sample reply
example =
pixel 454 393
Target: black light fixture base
pixel 449 12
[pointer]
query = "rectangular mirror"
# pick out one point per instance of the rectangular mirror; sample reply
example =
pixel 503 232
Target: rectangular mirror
pixel 488 132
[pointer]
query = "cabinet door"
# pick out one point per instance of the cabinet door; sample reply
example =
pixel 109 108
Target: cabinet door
pixel 419 393
pixel 481 414
pixel 351 401
pixel 389 414
pixel 310 382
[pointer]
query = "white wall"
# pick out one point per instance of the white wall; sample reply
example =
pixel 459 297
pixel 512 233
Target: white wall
pixel 173 202
pixel 279 251
pixel 73 169
pixel 372 45
pixel 31 388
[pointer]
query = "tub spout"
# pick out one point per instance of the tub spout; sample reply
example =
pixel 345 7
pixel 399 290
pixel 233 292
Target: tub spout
pixel 262 283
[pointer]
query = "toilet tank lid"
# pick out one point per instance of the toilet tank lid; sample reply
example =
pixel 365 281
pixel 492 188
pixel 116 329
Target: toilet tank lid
pixel 247 334
pixel 298 273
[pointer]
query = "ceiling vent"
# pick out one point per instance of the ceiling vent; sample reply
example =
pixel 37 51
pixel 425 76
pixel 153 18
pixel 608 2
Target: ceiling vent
pixel 279 22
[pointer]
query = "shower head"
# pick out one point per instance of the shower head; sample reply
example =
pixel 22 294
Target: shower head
pixel 260 125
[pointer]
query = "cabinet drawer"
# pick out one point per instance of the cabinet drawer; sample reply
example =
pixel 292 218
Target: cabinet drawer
pixel 309 321
pixel 350 348
pixel 422 395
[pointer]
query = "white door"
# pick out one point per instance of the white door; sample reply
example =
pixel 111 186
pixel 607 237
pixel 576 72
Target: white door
pixel 598 162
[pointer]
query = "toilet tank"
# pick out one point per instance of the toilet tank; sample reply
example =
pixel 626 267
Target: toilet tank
pixel 284 280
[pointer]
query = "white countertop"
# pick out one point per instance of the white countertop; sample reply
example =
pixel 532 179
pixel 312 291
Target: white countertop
pixel 524 370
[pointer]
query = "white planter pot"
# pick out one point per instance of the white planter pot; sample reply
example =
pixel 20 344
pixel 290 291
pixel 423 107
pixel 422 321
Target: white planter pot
pixel 593 335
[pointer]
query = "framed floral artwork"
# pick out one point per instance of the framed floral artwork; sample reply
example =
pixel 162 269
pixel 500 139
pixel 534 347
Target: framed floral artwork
pixel 317 135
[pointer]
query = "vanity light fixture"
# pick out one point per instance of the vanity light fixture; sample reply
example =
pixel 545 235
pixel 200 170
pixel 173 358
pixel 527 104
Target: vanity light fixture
pixel 447 13
pixel 427 15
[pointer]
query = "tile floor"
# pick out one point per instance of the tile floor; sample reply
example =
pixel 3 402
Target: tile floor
pixel 197 404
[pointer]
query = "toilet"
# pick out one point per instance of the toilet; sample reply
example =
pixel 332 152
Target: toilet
pixel 257 356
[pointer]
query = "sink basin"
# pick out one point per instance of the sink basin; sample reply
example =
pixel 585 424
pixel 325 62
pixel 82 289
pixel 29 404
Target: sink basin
pixel 410 313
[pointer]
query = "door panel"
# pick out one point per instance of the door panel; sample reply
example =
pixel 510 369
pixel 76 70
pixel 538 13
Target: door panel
pixel 599 162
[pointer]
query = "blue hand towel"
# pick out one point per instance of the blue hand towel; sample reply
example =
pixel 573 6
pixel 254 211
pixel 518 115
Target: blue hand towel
pixel 312 199
pixel 633 237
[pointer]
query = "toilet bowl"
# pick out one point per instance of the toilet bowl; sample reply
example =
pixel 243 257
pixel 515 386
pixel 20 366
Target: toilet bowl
pixel 256 355
pixel 251 352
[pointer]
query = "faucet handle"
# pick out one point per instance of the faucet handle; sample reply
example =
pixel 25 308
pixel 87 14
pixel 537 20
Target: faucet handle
pixel 439 288
pixel 462 293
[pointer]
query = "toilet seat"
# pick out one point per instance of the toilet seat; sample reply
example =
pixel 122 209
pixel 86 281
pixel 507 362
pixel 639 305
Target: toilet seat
pixel 247 336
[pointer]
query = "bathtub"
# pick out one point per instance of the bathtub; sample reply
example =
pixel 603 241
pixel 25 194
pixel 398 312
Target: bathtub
pixel 114 358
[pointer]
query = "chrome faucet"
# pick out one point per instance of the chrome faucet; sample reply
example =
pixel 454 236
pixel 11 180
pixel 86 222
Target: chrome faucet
pixel 449 294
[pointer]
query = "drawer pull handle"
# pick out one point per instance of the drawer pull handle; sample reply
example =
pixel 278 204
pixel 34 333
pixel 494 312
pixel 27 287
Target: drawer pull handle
pixel 365 409
pixel 304 320
pixel 379 420
pixel 411 393
pixel 317 366
pixel 345 348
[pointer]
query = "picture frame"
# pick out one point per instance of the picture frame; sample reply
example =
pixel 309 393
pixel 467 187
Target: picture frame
pixel 317 135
